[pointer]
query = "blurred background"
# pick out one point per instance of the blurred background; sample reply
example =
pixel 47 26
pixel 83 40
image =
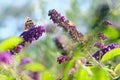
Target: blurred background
pixel 83 14
pixel 87 15
pixel 13 13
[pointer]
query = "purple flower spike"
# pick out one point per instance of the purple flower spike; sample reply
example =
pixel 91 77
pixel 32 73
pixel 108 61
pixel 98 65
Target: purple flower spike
pixel 28 36
pixel 98 54
pixel 25 60
pixel 72 70
pixel 61 59
pixel 99 45
pixel 34 75
pixel 107 22
pixel 58 43
pixel 5 57
pixel 60 20
pixel 101 36
pixel 17 48
pixel 33 34
pixel 57 18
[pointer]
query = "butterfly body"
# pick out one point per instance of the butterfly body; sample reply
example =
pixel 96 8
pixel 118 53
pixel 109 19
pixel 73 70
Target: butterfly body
pixel 28 24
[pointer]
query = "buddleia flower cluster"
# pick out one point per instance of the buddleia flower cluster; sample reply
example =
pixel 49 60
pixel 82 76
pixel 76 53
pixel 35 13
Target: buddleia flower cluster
pixel 103 47
pixel 99 53
pixel 64 46
pixel 60 20
pixel 28 37
pixel 5 57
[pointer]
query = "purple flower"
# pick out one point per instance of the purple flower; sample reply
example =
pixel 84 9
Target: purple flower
pixel 58 42
pixel 17 48
pixel 34 75
pixel 107 22
pixel 28 36
pixel 25 60
pixel 72 70
pixel 101 36
pixel 61 59
pixel 98 54
pixel 99 45
pixel 56 17
pixel 32 34
pixel 5 57
pixel 60 20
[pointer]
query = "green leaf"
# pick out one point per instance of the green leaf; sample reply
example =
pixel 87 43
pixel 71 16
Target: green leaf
pixel 10 43
pixel 34 66
pixel 117 68
pixel 110 54
pixel 82 73
pixel 47 76
pixel 108 30
pixel 77 53
pixel 99 74
pixel 110 71
pixel 68 67
pixel 3 77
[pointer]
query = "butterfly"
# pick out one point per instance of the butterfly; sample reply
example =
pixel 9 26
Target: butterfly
pixel 28 24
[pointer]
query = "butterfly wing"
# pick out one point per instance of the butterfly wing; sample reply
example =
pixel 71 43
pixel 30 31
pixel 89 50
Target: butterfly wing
pixel 28 24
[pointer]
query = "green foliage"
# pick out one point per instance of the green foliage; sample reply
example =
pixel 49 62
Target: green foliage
pixel 99 74
pixel 110 54
pixel 10 43
pixel 117 78
pixel 47 76
pixel 82 73
pixel 89 73
pixel 4 77
pixel 110 71
pixel 34 66
pixel 67 68
pixel 117 68
pixel 111 32
pixel 6 72
pixel 77 53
